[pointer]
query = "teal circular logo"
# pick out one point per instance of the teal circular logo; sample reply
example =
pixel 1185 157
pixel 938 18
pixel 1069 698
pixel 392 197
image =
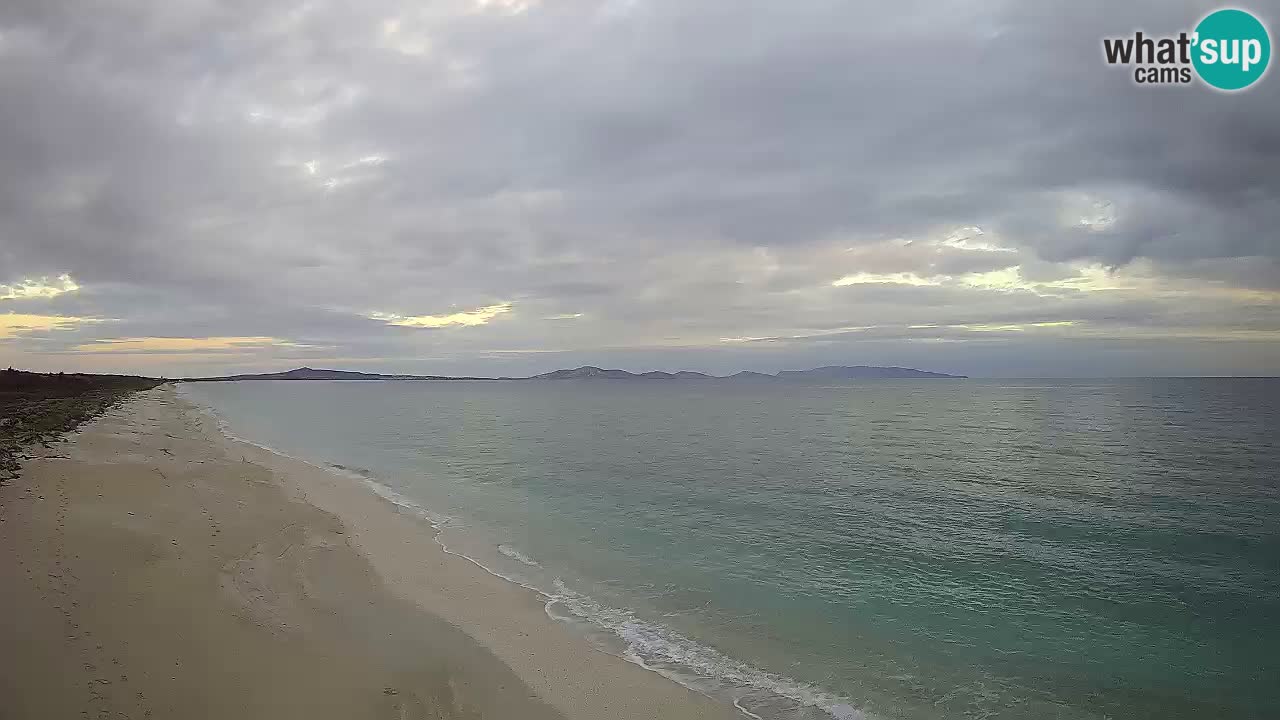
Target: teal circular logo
pixel 1232 49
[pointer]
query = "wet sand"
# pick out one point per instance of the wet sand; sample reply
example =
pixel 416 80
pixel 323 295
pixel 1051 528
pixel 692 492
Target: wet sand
pixel 149 567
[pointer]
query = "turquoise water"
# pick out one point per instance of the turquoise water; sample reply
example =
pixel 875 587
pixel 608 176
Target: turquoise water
pixel 899 550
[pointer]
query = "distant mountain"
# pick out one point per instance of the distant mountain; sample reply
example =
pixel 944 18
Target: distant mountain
pixel 859 372
pixel 306 373
pixel 691 375
pixel 590 372
pixel 660 375
pixel 586 372
pixel 830 372
pixel 749 375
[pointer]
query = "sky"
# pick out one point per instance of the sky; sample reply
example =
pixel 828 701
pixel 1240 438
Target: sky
pixel 513 186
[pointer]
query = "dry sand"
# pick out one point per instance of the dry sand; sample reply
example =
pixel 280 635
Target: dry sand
pixel 151 568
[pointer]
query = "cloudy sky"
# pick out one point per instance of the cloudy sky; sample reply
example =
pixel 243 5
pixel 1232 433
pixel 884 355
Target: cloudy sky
pixel 512 186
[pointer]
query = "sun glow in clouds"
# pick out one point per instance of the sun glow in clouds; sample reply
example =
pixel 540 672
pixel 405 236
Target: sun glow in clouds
pixel 1091 212
pixel 181 344
pixel 1087 278
pixel 506 7
pixel 898 278
pixel 395 37
pixel 44 287
pixel 466 318
pixel 332 174
pixel 1016 327
pixel 970 238
pixel 15 324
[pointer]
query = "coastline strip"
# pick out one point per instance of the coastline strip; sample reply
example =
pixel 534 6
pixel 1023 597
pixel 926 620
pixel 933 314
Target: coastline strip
pixel 153 568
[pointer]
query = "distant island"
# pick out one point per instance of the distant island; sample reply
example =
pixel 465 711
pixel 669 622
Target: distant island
pixel 588 372
pixel 306 373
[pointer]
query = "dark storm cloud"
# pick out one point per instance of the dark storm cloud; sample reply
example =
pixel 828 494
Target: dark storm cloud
pixel 655 175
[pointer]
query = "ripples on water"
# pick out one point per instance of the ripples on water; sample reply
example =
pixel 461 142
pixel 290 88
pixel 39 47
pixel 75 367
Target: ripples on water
pixel 936 549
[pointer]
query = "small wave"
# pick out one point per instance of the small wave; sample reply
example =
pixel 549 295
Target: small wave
pixel 686 661
pixel 437 520
pixel 518 556
pixel 362 472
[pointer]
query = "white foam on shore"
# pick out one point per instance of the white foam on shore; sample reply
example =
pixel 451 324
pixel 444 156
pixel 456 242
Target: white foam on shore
pixel 518 556
pixel 654 646
pixel 651 646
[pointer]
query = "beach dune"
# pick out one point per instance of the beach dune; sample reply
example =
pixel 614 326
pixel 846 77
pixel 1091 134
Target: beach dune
pixel 150 567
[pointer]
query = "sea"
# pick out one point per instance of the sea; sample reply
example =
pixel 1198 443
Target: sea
pixel 896 550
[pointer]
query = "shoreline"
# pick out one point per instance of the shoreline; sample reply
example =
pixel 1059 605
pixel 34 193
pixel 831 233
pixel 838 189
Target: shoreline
pixel 706 678
pixel 153 567
pixel 395 535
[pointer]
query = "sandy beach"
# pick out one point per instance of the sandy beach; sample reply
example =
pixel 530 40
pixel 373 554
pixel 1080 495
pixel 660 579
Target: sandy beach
pixel 150 567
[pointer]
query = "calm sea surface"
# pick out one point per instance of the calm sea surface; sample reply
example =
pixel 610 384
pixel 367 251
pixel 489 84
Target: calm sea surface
pixel 899 549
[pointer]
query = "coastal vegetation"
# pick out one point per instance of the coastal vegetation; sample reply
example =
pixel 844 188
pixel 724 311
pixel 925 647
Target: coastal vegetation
pixel 37 407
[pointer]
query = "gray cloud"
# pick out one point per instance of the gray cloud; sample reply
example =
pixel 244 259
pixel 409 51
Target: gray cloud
pixel 670 174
